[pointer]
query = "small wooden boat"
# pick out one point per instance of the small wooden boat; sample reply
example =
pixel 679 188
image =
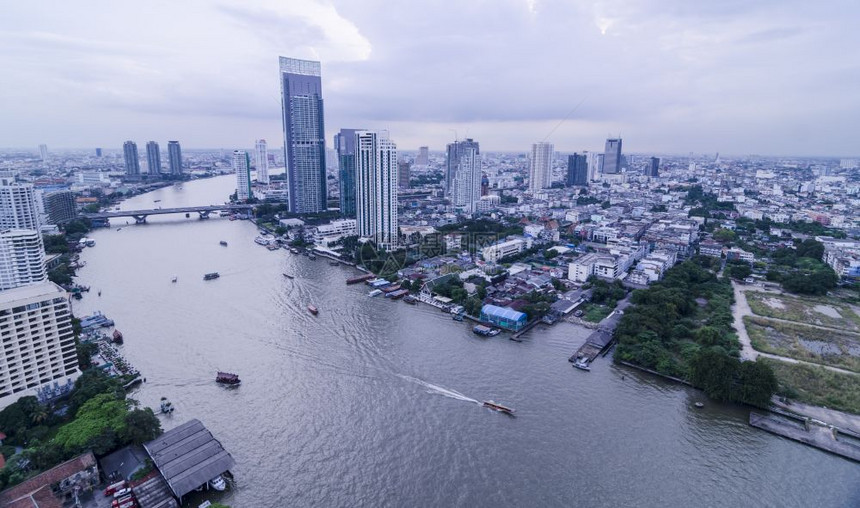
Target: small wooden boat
pixel 313 310
pixel 227 378
pixel 210 276
pixel 223 243
pixel 498 407
pixel 288 276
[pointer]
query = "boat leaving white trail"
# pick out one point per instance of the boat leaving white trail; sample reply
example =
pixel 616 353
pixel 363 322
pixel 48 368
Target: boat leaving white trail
pixel 453 394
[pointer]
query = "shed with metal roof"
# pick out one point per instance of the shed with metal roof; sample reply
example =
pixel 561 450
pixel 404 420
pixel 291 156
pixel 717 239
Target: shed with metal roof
pixel 503 317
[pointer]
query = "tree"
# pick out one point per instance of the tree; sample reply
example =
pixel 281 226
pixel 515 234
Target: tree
pixel 757 383
pixel 97 426
pixel 739 271
pixel 713 371
pixel 810 248
pixel 724 235
pixel 141 425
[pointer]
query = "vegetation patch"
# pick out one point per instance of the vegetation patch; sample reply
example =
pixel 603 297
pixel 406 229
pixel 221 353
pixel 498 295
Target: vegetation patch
pixel 817 311
pixel 594 313
pixel 816 385
pixel 804 343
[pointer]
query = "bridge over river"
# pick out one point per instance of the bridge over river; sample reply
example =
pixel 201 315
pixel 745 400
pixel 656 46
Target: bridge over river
pixel 140 215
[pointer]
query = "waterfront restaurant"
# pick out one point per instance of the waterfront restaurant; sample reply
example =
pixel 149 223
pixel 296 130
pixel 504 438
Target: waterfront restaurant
pixel 503 317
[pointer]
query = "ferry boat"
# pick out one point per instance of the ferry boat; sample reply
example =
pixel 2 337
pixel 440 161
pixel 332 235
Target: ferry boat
pixel 582 364
pixel 226 378
pixel 210 276
pixel 360 278
pixel 486 331
pixel 117 337
pixel 166 406
pixel 313 310
pixel 498 407
pixel 375 292
pixel 223 243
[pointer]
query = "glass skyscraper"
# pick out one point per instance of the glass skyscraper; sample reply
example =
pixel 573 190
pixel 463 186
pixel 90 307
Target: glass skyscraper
pixel 577 170
pixel 174 154
pixel 304 134
pixel 612 157
pixel 129 153
pixel 153 158
pixel 344 144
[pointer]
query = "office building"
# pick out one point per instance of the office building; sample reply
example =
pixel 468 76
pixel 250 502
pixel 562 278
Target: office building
pixel 174 157
pixel 612 157
pixel 132 163
pixel 403 174
pixel 423 158
pixel 304 134
pixel 376 188
pixel 540 176
pixel 344 145
pixel 242 167
pixel 654 168
pixel 261 161
pixel 464 165
pixel 43 152
pixel 18 209
pixel 153 158
pixel 59 207
pixel 577 170
pixel 38 356
pixel 98 152
pixel 22 258
pixel 454 151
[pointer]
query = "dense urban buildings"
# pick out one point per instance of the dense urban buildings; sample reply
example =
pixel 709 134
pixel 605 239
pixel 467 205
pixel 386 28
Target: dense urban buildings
pixel 174 157
pixel 261 161
pixel 153 158
pixel 304 134
pixel 132 162
pixel 540 176
pixel 376 188
pixel 577 170
pixel 344 145
pixel 242 167
pixel 612 157
pixel 39 354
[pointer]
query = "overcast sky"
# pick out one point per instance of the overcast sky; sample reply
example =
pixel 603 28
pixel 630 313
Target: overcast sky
pixel 734 76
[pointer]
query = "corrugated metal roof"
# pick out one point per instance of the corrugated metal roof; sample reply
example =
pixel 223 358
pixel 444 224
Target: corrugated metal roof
pixel 188 456
pixel 503 312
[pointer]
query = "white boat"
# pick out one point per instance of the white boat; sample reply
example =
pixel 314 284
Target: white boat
pixel 582 364
pixel 166 406
pixel 218 483
pixel 264 240
pixel 375 292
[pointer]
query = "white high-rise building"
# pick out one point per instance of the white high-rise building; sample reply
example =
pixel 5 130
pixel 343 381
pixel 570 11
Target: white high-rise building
pixel 541 167
pixel 376 188
pixel 38 356
pixel 261 161
pixel 466 182
pixel 22 258
pixel 18 208
pixel 43 152
pixel 242 167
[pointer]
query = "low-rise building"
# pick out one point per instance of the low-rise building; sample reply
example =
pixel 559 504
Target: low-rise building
pixel 494 253
pixel 504 317
pixel 330 233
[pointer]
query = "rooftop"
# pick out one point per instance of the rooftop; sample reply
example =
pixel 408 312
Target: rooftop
pixel 45 289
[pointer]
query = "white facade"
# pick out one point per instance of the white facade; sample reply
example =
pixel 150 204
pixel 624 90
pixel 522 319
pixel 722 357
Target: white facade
pixel 22 258
pixel 466 184
pixel 376 188
pixel 93 178
pixel 541 166
pixel 241 165
pixel 18 208
pixel 488 203
pixel 261 161
pixel 327 234
pixel 494 253
pixel 39 345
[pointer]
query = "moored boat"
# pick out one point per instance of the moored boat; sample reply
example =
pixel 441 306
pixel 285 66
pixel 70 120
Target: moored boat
pixel 218 483
pixel 498 407
pixel 360 278
pixel 210 276
pixel 411 300
pixel 375 292
pixel 313 310
pixel 117 337
pixel 582 364
pixel 227 378
pixel 485 331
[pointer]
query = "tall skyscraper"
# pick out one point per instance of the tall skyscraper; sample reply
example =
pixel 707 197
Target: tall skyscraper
pixel 344 145
pixel 43 152
pixel 59 206
pixel 174 157
pixel 153 158
pixel 423 158
pixel 376 188
pixel 464 161
pixel 242 167
pixel 577 170
pixel 304 134
pixel 403 174
pixel 541 166
pixel 654 169
pixel 132 163
pixel 18 208
pixel 39 354
pixel 22 258
pixel 98 152
pixel 261 161
pixel 612 157
pixel 452 163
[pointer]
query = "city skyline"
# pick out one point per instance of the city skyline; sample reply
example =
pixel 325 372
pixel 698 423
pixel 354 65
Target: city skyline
pixel 718 78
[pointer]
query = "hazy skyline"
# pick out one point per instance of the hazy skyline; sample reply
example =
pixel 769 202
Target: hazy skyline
pixel 765 77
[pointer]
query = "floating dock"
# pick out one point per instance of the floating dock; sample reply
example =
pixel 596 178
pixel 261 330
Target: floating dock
pixel 812 434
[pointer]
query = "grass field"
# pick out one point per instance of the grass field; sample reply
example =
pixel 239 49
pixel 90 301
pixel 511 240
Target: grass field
pixel 594 313
pixel 814 311
pixel 804 343
pixel 817 385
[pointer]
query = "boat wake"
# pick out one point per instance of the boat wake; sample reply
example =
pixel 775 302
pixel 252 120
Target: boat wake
pixel 453 394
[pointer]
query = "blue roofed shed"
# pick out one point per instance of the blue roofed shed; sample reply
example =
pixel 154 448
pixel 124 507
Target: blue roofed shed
pixel 503 317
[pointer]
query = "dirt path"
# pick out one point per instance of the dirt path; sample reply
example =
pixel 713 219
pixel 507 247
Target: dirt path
pixel 740 309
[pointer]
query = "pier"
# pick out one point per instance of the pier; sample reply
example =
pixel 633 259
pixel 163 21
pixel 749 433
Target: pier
pixel 602 338
pixel 810 433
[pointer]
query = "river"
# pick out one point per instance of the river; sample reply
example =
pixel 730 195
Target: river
pixel 374 402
